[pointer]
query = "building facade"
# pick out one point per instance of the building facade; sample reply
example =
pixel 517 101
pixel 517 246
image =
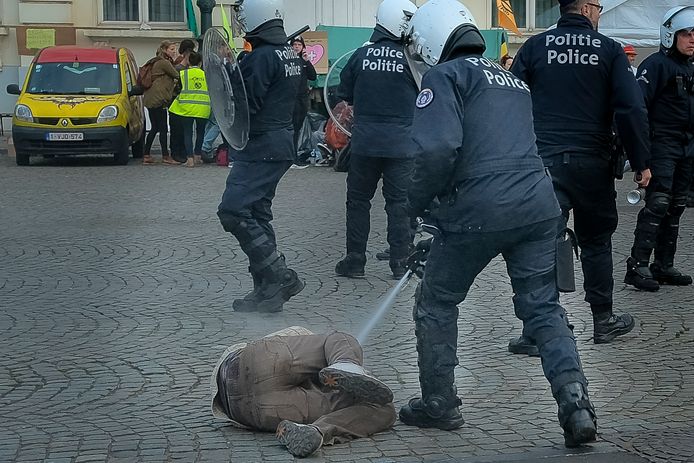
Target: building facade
pixel 28 25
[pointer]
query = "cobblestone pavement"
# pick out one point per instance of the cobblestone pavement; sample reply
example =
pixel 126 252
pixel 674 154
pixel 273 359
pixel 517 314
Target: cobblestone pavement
pixel 115 293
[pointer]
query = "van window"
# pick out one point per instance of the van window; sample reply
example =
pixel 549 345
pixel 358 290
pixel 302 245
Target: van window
pixel 75 79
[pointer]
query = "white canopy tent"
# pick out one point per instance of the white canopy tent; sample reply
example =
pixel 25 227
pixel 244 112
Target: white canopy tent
pixel 635 22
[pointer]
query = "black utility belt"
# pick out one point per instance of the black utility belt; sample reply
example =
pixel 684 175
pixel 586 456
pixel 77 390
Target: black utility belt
pixel 576 158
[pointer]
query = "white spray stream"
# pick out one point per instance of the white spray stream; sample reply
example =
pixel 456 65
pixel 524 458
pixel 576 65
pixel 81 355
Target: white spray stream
pixel 383 308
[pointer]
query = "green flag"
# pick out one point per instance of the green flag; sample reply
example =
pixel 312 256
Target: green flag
pixel 190 13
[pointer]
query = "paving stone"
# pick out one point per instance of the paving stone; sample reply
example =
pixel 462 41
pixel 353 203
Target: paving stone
pixel 115 291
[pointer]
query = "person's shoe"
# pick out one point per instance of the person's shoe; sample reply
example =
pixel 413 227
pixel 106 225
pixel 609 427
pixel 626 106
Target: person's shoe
pixel 325 150
pixel 169 160
pixel 639 276
pixel 669 275
pixel 352 265
pixel 277 290
pixel 148 160
pixel 190 162
pixel 523 345
pixel 398 267
pixel 383 255
pixel 197 159
pixel 298 165
pixel 417 413
pixel 576 415
pixel 301 440
pixel 607 326
pixel 353 379
pixel 250 300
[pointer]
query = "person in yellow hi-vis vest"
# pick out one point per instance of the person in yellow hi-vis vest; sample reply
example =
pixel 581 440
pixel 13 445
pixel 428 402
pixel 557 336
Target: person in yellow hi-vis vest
pixel 192 105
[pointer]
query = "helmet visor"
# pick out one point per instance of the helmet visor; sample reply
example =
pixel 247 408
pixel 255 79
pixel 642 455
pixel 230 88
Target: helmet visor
pixel 416 63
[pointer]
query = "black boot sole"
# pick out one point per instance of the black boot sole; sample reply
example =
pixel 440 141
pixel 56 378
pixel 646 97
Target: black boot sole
pixel 637 283
pixel 350 274
pixel 586 433
pixel 427 422
pixel 668 282
pixel 365 389
pixel 301 441
pixel 276 302
pixel 604 338
pixel 529 350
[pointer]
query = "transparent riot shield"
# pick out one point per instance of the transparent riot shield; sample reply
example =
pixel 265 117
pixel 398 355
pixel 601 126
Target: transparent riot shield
pixel 226 89
pixel 338 110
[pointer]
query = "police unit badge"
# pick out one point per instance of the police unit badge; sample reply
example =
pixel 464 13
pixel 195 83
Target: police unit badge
pixel 425 97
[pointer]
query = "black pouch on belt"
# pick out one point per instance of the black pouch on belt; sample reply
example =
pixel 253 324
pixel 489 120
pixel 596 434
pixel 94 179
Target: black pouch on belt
pixel 567 246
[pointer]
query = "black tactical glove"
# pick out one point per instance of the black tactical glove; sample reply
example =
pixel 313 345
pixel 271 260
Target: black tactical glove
pixel 417 259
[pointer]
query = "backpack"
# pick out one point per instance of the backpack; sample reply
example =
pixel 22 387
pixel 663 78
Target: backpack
pixel 335 137
pixel 144 76
pixel 222 156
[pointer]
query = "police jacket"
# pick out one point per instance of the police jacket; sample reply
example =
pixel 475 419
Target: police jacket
pixel 475 150
pixel 271 74
pixel 378 82
pixel 581 81
pixel 667 83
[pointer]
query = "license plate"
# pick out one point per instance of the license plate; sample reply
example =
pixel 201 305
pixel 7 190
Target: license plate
pixel 64 136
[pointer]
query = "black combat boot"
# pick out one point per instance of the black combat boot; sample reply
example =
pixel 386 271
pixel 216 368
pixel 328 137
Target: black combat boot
pixel 352 265
pixel 279 283
pixel 576 415
pixel 398 267
pixel 383 255
pixel 640 276
pixel 433 412
pixel 249 301
pixel 669 275
pixel 523 345
pixel 607 326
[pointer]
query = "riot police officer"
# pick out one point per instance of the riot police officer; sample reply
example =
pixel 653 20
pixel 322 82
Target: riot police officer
pixel 580 82
pixel 378 83
pixel 667 81
pixel 495 198
pixel 272 73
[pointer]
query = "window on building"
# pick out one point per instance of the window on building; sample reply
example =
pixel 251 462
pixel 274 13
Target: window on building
pixel 519 8
pixel 530 14
pixel 149 11
pixel 546 13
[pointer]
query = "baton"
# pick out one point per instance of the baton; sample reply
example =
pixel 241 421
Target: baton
pixel 290 37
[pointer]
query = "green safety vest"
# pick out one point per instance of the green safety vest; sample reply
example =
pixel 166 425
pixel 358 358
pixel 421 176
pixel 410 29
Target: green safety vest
pixel 193 101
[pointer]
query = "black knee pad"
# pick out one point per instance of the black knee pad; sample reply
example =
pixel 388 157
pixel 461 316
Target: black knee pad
pixel 658 203
pixel 230 222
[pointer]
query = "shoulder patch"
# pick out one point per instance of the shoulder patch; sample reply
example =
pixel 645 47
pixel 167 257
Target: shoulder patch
pixel 425 97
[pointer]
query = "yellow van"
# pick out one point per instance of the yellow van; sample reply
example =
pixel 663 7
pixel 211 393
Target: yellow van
pixel 76 101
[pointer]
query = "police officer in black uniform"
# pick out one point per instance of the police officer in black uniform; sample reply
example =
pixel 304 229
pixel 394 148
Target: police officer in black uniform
pixel 667 81
pixel 378 83
pixel 580 82
pixel 495 198
pixel 271 73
